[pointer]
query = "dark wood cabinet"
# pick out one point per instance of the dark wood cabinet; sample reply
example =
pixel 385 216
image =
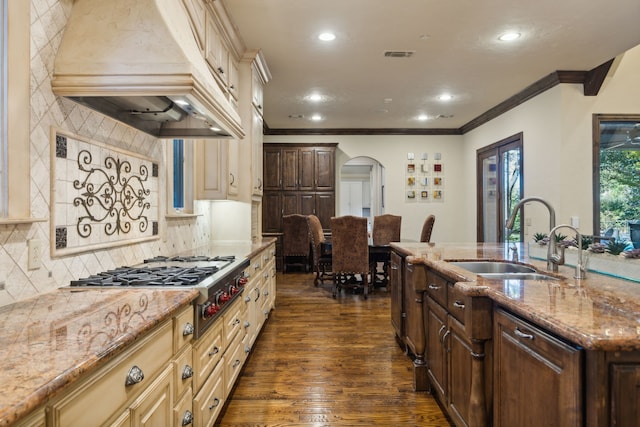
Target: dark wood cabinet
pixel 298 179
pixel 537 377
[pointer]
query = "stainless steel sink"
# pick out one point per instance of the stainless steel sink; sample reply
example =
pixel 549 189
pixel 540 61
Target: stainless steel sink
pixel 517 276
pixel 481 267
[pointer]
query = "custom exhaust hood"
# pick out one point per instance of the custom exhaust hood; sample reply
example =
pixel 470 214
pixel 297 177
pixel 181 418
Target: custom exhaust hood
pixel 138 62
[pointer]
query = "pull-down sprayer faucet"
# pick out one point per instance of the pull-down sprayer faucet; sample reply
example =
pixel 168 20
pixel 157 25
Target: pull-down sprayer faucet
pixel 552 217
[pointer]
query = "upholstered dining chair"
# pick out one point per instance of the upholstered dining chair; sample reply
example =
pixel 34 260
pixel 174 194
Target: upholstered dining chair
pixel 321 258
pixel 350 253
pixel 386 229
pixel 427 228
pixel 295 242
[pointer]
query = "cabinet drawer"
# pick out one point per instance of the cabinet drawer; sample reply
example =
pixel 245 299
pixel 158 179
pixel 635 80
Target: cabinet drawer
pixel 183 328
pixel 233 320
pixel 107 386
pixel 234 359
pixel 183 372
pixel 207 352
pixel 210 400
pixel 437 288
pixel 457 303
pixel 183 410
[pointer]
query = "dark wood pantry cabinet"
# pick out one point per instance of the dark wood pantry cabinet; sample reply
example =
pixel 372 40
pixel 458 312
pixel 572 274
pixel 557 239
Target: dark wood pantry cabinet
pixel 298 179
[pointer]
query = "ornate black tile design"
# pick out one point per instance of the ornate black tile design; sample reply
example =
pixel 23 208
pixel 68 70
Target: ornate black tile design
pixel 61 146
pixel 61 237
pixel 154 170
pixel 154 226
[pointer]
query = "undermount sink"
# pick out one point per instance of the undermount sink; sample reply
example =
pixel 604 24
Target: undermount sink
pixel 517 276
pixel 502 270
pixel 480 267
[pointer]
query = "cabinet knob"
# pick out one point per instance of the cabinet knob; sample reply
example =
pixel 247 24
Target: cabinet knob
pixel 187 418
pixel 215 351
pixel 187 372
pixel 188 329
pixel 134 376
pixel 220 70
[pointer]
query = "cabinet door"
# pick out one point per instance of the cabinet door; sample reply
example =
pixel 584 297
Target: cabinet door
pixel 211 169
pixel 216 53
pixel 289 169
pixel 290 204
pixel 325 209
pixel 395 283
pixel 272 212
pixel 154 408
pixel 436 355
pixel 459 381
pixel 324 170
pixel 307 204
pixel 537 378
pixel 233 175
pixel 625 389
pixel 256 150
pixel 196 11
pixel 307 169
pixel 272 169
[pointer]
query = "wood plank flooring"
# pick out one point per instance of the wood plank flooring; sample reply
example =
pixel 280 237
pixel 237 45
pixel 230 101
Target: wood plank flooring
pixel 321 361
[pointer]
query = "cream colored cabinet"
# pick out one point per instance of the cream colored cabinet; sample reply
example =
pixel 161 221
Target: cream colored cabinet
pixel 197 16
pixel 254 74
pixel 36 419
pixel 217 169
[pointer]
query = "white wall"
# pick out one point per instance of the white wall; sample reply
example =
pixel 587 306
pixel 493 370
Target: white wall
pixel 557 136
pixel 391 152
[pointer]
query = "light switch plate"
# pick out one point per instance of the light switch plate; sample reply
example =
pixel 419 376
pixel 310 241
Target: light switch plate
pixel 35 254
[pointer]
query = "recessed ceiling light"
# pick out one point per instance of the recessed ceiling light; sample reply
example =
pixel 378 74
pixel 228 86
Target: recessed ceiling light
pixel 510 36
pixel 423 117
pixel 315 97
pixel 316 117
pixel 445 97
pixel 327 37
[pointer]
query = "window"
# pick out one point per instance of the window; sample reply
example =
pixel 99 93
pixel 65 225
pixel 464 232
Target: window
pixel 180 177
pixel 14 133
pixel 616 174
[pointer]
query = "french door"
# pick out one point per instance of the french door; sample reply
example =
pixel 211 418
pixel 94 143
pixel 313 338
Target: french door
pixel 500 187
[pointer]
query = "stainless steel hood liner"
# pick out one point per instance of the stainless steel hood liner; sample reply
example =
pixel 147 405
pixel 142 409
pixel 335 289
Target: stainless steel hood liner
pixel 138 62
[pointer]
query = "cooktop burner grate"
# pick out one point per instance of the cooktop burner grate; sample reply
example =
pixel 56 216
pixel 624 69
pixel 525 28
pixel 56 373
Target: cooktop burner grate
pixel 149 276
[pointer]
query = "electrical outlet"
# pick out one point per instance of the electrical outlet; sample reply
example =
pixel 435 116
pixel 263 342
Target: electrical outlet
pixel 35 254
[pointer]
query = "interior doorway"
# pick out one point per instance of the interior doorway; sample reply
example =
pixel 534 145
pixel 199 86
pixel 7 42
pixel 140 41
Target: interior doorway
pixel 362 188
pixel 500 186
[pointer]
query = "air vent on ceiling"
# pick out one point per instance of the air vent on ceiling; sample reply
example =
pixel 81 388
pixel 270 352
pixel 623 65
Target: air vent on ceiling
pixel 296 116
pixel 399 53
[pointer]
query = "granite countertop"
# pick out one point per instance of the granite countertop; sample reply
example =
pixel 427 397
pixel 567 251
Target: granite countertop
pixel 599 312
pixel 54 339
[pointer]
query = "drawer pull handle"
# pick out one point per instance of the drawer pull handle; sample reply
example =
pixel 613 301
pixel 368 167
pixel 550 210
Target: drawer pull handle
pixel 236 322
pixel 458 304
pixel 521 334
pixel 187 372
pixel 434 287
pixel 188 329
pixel 442 328
pixel 236 363
pixel 215 403
pixel 215 351
pixel 134 376
pixel 187 418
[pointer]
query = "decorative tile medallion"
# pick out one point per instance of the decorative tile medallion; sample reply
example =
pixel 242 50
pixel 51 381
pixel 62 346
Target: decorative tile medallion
pixel 103 196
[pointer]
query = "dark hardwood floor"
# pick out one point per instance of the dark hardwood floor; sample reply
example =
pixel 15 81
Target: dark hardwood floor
pixel 321 361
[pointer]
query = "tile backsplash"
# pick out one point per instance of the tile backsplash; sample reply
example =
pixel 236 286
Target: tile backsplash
pixel 48 20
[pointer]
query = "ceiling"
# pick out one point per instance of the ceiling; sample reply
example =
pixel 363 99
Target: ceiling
pixel 455 50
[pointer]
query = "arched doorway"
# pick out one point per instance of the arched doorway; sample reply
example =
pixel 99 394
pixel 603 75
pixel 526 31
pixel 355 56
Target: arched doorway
pixel 361 188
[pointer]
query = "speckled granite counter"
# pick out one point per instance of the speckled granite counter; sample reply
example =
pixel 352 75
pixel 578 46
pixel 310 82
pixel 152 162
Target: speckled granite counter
pixel 50 341
pixel 597 313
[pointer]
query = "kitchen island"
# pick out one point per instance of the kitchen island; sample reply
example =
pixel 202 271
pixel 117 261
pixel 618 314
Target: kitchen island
pixel 499 352
pixel 66 354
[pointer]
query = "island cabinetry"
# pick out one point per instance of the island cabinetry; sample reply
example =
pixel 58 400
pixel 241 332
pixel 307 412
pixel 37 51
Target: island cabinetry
pixel 415 338
pixel 458 358
pixel 537 376
pixel 396 289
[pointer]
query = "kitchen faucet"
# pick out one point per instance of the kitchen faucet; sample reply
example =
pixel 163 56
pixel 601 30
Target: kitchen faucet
pixel 552 220
pixel 558 259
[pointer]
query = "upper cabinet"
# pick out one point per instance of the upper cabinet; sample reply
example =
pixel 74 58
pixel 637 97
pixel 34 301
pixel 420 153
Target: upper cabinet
pixel 254 74
pixel 217 169
pixel 292 167
pixel 197 14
